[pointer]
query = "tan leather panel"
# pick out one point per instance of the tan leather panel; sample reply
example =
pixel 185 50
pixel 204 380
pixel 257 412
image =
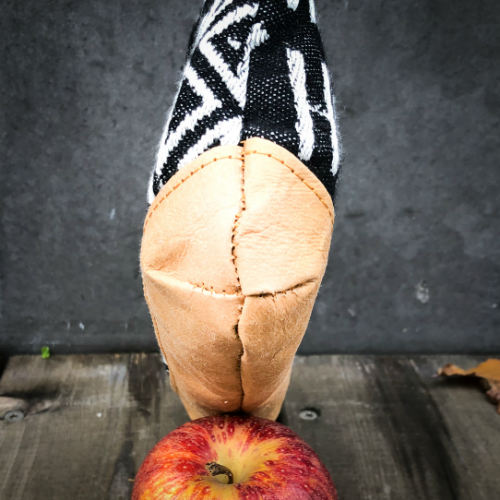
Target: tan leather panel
pixel 271 328
pixel 236 223
pixel 188 227
pixel 270 407
pixel 285 231
pixel 196 333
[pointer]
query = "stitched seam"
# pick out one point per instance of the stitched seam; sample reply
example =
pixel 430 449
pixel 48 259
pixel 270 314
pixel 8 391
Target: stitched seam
pixel 165 196
pixel 233 258
pixel 242 158
pixel 211 290
pixel 269 155
pixel 291 289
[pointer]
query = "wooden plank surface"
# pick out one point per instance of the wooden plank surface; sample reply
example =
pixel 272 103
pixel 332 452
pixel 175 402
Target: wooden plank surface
pixel 384 427
pixel 389 430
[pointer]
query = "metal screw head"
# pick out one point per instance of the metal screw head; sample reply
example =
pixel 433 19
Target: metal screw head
pixel 309 414
pixel 14 415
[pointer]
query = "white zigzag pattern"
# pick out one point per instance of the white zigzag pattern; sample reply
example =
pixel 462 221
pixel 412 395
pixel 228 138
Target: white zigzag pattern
pixel 208 105
pixel 215 10
pixel 330 114
pixel 228 132
pixel 236 83
pixel 304 124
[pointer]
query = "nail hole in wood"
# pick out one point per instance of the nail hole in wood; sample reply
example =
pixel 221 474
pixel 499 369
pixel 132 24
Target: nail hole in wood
pixel 14 415
pixel 309 414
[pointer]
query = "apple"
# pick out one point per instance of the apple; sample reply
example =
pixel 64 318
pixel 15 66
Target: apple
pixel 232 457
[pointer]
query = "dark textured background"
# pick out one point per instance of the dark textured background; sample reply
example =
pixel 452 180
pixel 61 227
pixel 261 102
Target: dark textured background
pixel 414 264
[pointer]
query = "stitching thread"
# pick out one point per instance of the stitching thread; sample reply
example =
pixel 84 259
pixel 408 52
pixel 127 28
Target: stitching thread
pixel 212 290
pixel 269 155
pixel 229 157
pixel 209 289
pixel 233 255
pixel 242 159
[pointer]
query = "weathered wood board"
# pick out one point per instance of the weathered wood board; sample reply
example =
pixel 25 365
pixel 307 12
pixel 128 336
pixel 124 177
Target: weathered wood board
pixel 386 428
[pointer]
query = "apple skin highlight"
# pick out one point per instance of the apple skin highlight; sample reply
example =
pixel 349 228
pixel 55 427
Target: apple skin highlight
pixel 268 461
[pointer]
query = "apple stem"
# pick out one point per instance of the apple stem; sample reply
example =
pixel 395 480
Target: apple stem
pixel 215 469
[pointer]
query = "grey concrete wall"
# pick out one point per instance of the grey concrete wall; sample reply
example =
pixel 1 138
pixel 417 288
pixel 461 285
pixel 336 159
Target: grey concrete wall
pixel 415 258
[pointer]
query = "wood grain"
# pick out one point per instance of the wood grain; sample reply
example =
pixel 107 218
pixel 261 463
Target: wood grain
pixel 389 430
pixel 386 429
pixel 107 411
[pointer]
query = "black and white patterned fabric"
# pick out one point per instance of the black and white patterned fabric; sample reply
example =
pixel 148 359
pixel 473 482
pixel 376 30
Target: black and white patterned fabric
pixel 254 69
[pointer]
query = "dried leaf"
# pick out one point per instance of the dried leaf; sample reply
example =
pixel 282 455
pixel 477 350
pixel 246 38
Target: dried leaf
pixel 488 372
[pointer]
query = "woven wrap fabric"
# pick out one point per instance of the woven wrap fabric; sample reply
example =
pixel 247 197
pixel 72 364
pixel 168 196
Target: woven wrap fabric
pixel 253 69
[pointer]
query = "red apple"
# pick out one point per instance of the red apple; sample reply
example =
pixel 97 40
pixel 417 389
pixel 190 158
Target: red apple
pixel 232 457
